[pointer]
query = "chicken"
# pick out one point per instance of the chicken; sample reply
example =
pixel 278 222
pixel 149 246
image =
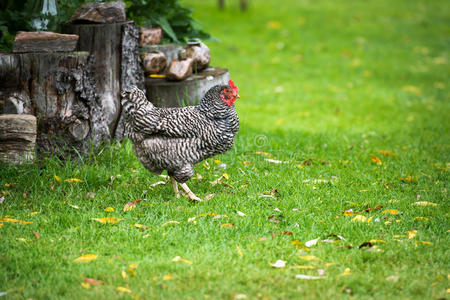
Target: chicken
pixel 175 139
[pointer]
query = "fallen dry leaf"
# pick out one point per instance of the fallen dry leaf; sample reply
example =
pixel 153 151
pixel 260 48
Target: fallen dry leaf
pixel 305 267
pixel 240 213
pixel 37 235
pixel 228 225
pixel 239 251
pixel 124 275
pixel 312 242
pixel 387 153
pixel 86 258
pixel 370 209
pixel 308 277
pixel 73 180
pixel 279 264
pixel 412 234
pixel 309 258
pixel 421 218
pixel 209 197
pixel 178 258
pixel 392 211
pixel 167 277
pixel 86 285
pixel 93 281
pixel 425 203
pixel 109 209
pixel 375 159
pixel 359 218
pixel 170 223
pixel 424 242
pixel 131 205
pixel 22 239
pixel 9 220
pixel 157 183
pixel 346 272
pixel 122 289
pixel 57 178
pixel 111 220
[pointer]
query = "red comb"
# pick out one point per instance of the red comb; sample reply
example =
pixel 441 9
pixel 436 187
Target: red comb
pixel 233 86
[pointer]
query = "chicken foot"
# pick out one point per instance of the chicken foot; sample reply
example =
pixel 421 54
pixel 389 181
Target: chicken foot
pixel 189 193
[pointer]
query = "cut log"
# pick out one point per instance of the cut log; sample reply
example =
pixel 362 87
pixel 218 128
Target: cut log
pixel 109 12
pixel 17 138
pixel 116 63
pixel 58 89
pixel 163 93
pixel 44 42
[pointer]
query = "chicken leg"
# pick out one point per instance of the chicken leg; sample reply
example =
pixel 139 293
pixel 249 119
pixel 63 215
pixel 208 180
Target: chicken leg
pixel 189 193
pixel 175 187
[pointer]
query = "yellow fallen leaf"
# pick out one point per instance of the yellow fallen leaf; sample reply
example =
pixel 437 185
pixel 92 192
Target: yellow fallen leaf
pixel 422 218
pixel 228 225
pixel 346 272
pixel 131 205
pixel 387 153
pixel 73 180
pixel 425 203
pixel 306 267
pixel 412 89
pixel 309 258
pixel 378 241
pixel 134 266
pixel 273 25
pixel 178 258
pixel 391 211
pixel 424 242
pixel 375 159
pixel 226 176
pixel 21 239
pixel 359 218
pixel 124 275
pixel 170 223
pixel 9 220
pixel 57 178
pixel 387 223
pixel 132 272
pixel 399 236
pixel 112 220
pixel 167 277
pixel 122 289
pixel 86 285
pixel 109 209
pixel 330 264
pixel 140 226
pixel 412 234
pixel 239 250
pixel 86 258
pixel 33 213
pixel 408 179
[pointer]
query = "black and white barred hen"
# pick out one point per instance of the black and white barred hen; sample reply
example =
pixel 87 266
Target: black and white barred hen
pixel 175 139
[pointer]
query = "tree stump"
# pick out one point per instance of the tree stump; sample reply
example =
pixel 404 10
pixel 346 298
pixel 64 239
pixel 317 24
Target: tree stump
pixel 58 89
pixel 163 93
pixel 116 63
pixel 17 138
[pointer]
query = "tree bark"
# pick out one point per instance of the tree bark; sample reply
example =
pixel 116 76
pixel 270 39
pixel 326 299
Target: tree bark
pixel 17 138
pixel 116 64
pixel 57 88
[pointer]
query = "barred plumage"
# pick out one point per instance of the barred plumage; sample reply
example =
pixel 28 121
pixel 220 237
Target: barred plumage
pixel 175 139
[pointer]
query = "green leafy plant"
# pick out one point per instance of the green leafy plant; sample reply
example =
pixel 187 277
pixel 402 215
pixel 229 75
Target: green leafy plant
pixel 175 19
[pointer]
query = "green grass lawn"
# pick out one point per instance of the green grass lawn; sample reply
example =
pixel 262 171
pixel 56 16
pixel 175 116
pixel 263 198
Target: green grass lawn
pixel 324 87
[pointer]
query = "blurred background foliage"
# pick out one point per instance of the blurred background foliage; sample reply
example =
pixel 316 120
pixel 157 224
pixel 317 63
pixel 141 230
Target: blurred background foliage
pixel 174 18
